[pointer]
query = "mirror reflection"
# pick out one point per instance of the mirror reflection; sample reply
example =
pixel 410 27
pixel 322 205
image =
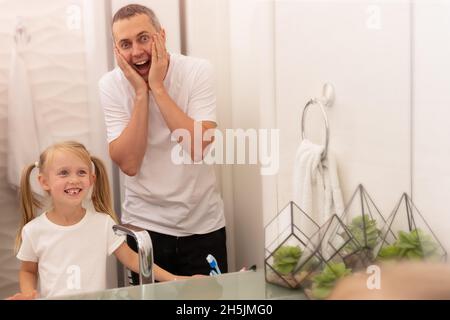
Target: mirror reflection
pixel 298 101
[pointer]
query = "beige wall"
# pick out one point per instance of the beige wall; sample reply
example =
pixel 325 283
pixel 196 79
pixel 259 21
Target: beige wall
pixel 368 63
pixel 235 36
pixel 431 113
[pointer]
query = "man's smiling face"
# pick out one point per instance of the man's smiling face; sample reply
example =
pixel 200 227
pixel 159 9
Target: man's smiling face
pixel 133 38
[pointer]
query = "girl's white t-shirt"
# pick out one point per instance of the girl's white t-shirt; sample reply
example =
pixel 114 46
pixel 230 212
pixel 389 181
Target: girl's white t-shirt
pixel 71 259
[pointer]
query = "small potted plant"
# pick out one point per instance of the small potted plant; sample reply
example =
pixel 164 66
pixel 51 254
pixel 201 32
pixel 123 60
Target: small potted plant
pixel 288 267
pixel 289 236
pixel 408 236
pixel 414 245
pixel 366 235
pixel 365 223
pixel 324 282
pixel 339 241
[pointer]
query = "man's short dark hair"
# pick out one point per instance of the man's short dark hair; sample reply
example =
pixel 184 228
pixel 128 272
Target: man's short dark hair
pixel 132 10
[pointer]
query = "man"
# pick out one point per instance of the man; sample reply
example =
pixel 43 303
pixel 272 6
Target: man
pixel 148 97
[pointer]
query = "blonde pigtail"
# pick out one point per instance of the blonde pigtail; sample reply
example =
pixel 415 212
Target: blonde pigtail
pixel 101 194
pixel 28 202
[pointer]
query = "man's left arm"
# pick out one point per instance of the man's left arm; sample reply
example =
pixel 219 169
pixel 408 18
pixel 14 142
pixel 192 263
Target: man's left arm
pixel 177 119
pixel 174 117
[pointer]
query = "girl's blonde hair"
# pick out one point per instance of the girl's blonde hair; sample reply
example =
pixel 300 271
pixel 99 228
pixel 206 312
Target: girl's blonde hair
pixel 101 193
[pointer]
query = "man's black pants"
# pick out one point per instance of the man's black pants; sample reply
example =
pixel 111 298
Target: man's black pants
pixel 186 256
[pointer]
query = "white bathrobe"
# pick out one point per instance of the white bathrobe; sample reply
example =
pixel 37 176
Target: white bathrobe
pixel 23 136
pixel 316 187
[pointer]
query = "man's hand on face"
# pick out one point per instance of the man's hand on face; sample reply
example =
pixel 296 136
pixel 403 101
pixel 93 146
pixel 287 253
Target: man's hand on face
pixel 160 62
pixel 138 83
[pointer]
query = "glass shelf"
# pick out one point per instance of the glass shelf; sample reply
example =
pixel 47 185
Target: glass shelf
pixel 248 285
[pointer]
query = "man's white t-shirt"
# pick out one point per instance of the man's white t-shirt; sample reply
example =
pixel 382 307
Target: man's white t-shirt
pixel 169 198
pixel 71 259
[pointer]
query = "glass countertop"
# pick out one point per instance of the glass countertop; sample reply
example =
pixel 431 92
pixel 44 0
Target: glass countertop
pixel 248 285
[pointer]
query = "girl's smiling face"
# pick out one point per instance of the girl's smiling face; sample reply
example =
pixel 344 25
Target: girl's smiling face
pixel 67 178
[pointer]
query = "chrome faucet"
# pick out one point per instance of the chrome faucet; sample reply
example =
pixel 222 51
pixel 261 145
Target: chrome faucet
pixel 145 250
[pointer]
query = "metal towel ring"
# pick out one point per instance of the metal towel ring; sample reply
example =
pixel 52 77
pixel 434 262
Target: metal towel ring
pixel 326 101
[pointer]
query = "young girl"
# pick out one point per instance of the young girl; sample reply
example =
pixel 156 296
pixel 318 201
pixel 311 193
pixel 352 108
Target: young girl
pixel 67 246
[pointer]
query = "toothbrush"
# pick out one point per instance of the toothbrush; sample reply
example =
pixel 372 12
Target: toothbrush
pixel 212 273
pixel 213 264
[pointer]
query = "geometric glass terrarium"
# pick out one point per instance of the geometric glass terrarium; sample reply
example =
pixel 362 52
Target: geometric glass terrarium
pixel 338 244
pixel 288 239
pixel 336 261
pixel 365 222
pixel 407 236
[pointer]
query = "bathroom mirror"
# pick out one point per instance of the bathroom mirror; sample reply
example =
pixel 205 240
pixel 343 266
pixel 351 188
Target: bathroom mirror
pixel 386 60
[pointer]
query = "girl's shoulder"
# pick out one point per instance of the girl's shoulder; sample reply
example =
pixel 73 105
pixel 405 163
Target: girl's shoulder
pixel 37 222
pixel 36 227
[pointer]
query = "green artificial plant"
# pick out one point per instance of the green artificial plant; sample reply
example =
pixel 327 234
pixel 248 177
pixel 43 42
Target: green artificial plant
pixel 286 258
pixel 414 245
pixel 324 282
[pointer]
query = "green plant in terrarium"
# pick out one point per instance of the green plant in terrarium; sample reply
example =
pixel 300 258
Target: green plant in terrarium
pixel 414 245
pixel 365 232
pixel 285 259
pixel 324 282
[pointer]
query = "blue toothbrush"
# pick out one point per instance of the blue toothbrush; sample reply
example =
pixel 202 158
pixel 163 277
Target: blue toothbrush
pixel 213 264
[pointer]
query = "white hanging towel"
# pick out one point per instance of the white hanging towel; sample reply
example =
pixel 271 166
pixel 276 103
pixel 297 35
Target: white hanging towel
pixel 316 187
pixel 23 141
pixel 334 202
